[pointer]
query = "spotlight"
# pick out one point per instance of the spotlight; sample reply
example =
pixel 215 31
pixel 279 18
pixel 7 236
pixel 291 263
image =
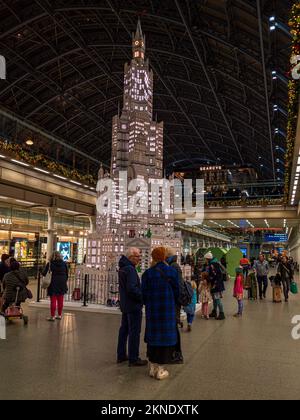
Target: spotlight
pixel 29 142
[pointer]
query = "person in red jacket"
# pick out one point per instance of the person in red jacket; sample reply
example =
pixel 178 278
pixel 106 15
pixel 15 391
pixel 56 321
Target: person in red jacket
pixel 238 291
pixel 245 264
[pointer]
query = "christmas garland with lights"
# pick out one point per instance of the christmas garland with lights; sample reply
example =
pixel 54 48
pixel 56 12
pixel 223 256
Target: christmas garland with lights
pixel 293 99
pixel 245 202
pixel 19 153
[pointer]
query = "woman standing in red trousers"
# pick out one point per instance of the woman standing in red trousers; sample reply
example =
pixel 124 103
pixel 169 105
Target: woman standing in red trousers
pixel 58 286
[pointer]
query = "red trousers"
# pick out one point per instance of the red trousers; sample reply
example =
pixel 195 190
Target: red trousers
pixel 57 301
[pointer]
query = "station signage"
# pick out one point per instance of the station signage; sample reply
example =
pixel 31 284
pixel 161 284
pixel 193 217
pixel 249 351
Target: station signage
pixel 5 221
pixel 276 237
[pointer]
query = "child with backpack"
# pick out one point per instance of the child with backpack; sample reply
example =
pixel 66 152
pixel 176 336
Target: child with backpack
pixel 204 294
pixel 238 291
pixel 190 309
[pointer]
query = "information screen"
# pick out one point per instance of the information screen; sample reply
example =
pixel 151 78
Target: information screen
pixel 65 250
pixel 276 237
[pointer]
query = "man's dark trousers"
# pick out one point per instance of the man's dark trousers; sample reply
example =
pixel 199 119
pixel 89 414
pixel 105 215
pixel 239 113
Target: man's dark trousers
pixel 262 285
pixel 130 329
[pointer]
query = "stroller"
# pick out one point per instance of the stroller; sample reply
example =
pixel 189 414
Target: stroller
pixel 113 298
pixel 14 311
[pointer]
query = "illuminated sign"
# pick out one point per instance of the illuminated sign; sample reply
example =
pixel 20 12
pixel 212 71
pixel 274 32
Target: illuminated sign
pixel 276 237
pixel 5 221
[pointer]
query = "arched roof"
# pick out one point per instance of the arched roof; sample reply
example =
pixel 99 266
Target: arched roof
pixel 215 94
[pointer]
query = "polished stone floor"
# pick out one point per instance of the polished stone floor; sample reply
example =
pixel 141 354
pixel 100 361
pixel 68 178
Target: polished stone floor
pixel 250 358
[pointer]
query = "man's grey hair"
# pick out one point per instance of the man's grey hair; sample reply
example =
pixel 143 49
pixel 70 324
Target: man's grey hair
pixel 132 250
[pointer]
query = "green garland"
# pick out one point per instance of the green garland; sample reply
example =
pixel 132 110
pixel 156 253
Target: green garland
pixel 293 100
pixel 19 153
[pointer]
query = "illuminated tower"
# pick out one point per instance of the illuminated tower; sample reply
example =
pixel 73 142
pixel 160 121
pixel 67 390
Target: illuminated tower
pixel 137 148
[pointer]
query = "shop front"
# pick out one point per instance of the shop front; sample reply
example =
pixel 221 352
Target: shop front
pixel 23 235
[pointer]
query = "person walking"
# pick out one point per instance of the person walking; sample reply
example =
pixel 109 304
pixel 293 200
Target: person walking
pixel 261 267
pixel 287 274
pixel 131 304
pixel 216 286
pixel 172 262
pixel 160 286
pixel 204 294
pixel 58 286
pixel 190 309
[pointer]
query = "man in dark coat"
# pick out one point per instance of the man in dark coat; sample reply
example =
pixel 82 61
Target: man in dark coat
pixel 131 304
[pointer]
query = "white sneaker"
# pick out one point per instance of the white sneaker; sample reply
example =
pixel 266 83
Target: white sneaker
pixel 153 369
pixel 162 373
pixel 51 319
pixel 58 317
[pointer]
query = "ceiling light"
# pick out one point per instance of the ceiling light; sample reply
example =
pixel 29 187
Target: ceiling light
pixel 60 177
pixel 29 142
pixel 272 19
pixel 41 170
pixel 2 156
pixel 75 182
pixel 24 202
pixel 20 163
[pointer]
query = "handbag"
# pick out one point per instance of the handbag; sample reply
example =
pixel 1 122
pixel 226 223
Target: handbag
pixel 46 281
pixel 29 293
pixel 294 288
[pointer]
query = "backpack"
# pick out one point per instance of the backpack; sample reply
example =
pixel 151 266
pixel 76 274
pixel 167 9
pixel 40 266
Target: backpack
pixel 185 290
pixel 185 293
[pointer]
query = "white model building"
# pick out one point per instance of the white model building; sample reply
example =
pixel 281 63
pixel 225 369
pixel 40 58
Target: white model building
pixel 137 148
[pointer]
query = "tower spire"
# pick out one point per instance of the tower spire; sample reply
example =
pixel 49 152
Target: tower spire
pixel 139 32
pixel 139 43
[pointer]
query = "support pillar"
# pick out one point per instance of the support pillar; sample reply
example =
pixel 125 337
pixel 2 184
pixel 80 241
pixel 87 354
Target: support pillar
pixel 92 220
pixel 50 232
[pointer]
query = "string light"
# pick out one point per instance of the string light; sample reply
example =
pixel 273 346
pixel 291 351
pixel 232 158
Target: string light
pixel 293 98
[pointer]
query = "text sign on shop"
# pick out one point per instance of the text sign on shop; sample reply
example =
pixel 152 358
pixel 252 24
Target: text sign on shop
pixel 5 221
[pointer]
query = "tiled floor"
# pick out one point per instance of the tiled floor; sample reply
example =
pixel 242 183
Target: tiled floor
pixel 250 358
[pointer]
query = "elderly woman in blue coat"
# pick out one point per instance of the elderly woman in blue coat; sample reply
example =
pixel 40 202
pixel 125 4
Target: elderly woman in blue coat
pixel 160 287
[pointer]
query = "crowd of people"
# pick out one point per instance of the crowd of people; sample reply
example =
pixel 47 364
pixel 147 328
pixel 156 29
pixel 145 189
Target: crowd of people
pixel 163 292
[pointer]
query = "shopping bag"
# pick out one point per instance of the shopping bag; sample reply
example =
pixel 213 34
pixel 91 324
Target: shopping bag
pixel 294 288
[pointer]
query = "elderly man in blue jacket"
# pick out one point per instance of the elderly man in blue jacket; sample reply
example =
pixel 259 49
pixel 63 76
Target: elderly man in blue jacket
pixel 131 303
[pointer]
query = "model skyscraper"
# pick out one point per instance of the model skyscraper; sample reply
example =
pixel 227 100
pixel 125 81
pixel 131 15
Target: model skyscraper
pixel 137 149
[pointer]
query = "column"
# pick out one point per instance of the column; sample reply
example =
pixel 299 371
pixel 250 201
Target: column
pixel 92 220
pixel 50 231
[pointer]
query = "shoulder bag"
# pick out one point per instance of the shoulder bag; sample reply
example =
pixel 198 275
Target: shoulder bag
pixel 46 280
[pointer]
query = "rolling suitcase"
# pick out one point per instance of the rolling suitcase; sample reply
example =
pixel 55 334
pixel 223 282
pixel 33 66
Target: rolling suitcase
pixel 277 294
